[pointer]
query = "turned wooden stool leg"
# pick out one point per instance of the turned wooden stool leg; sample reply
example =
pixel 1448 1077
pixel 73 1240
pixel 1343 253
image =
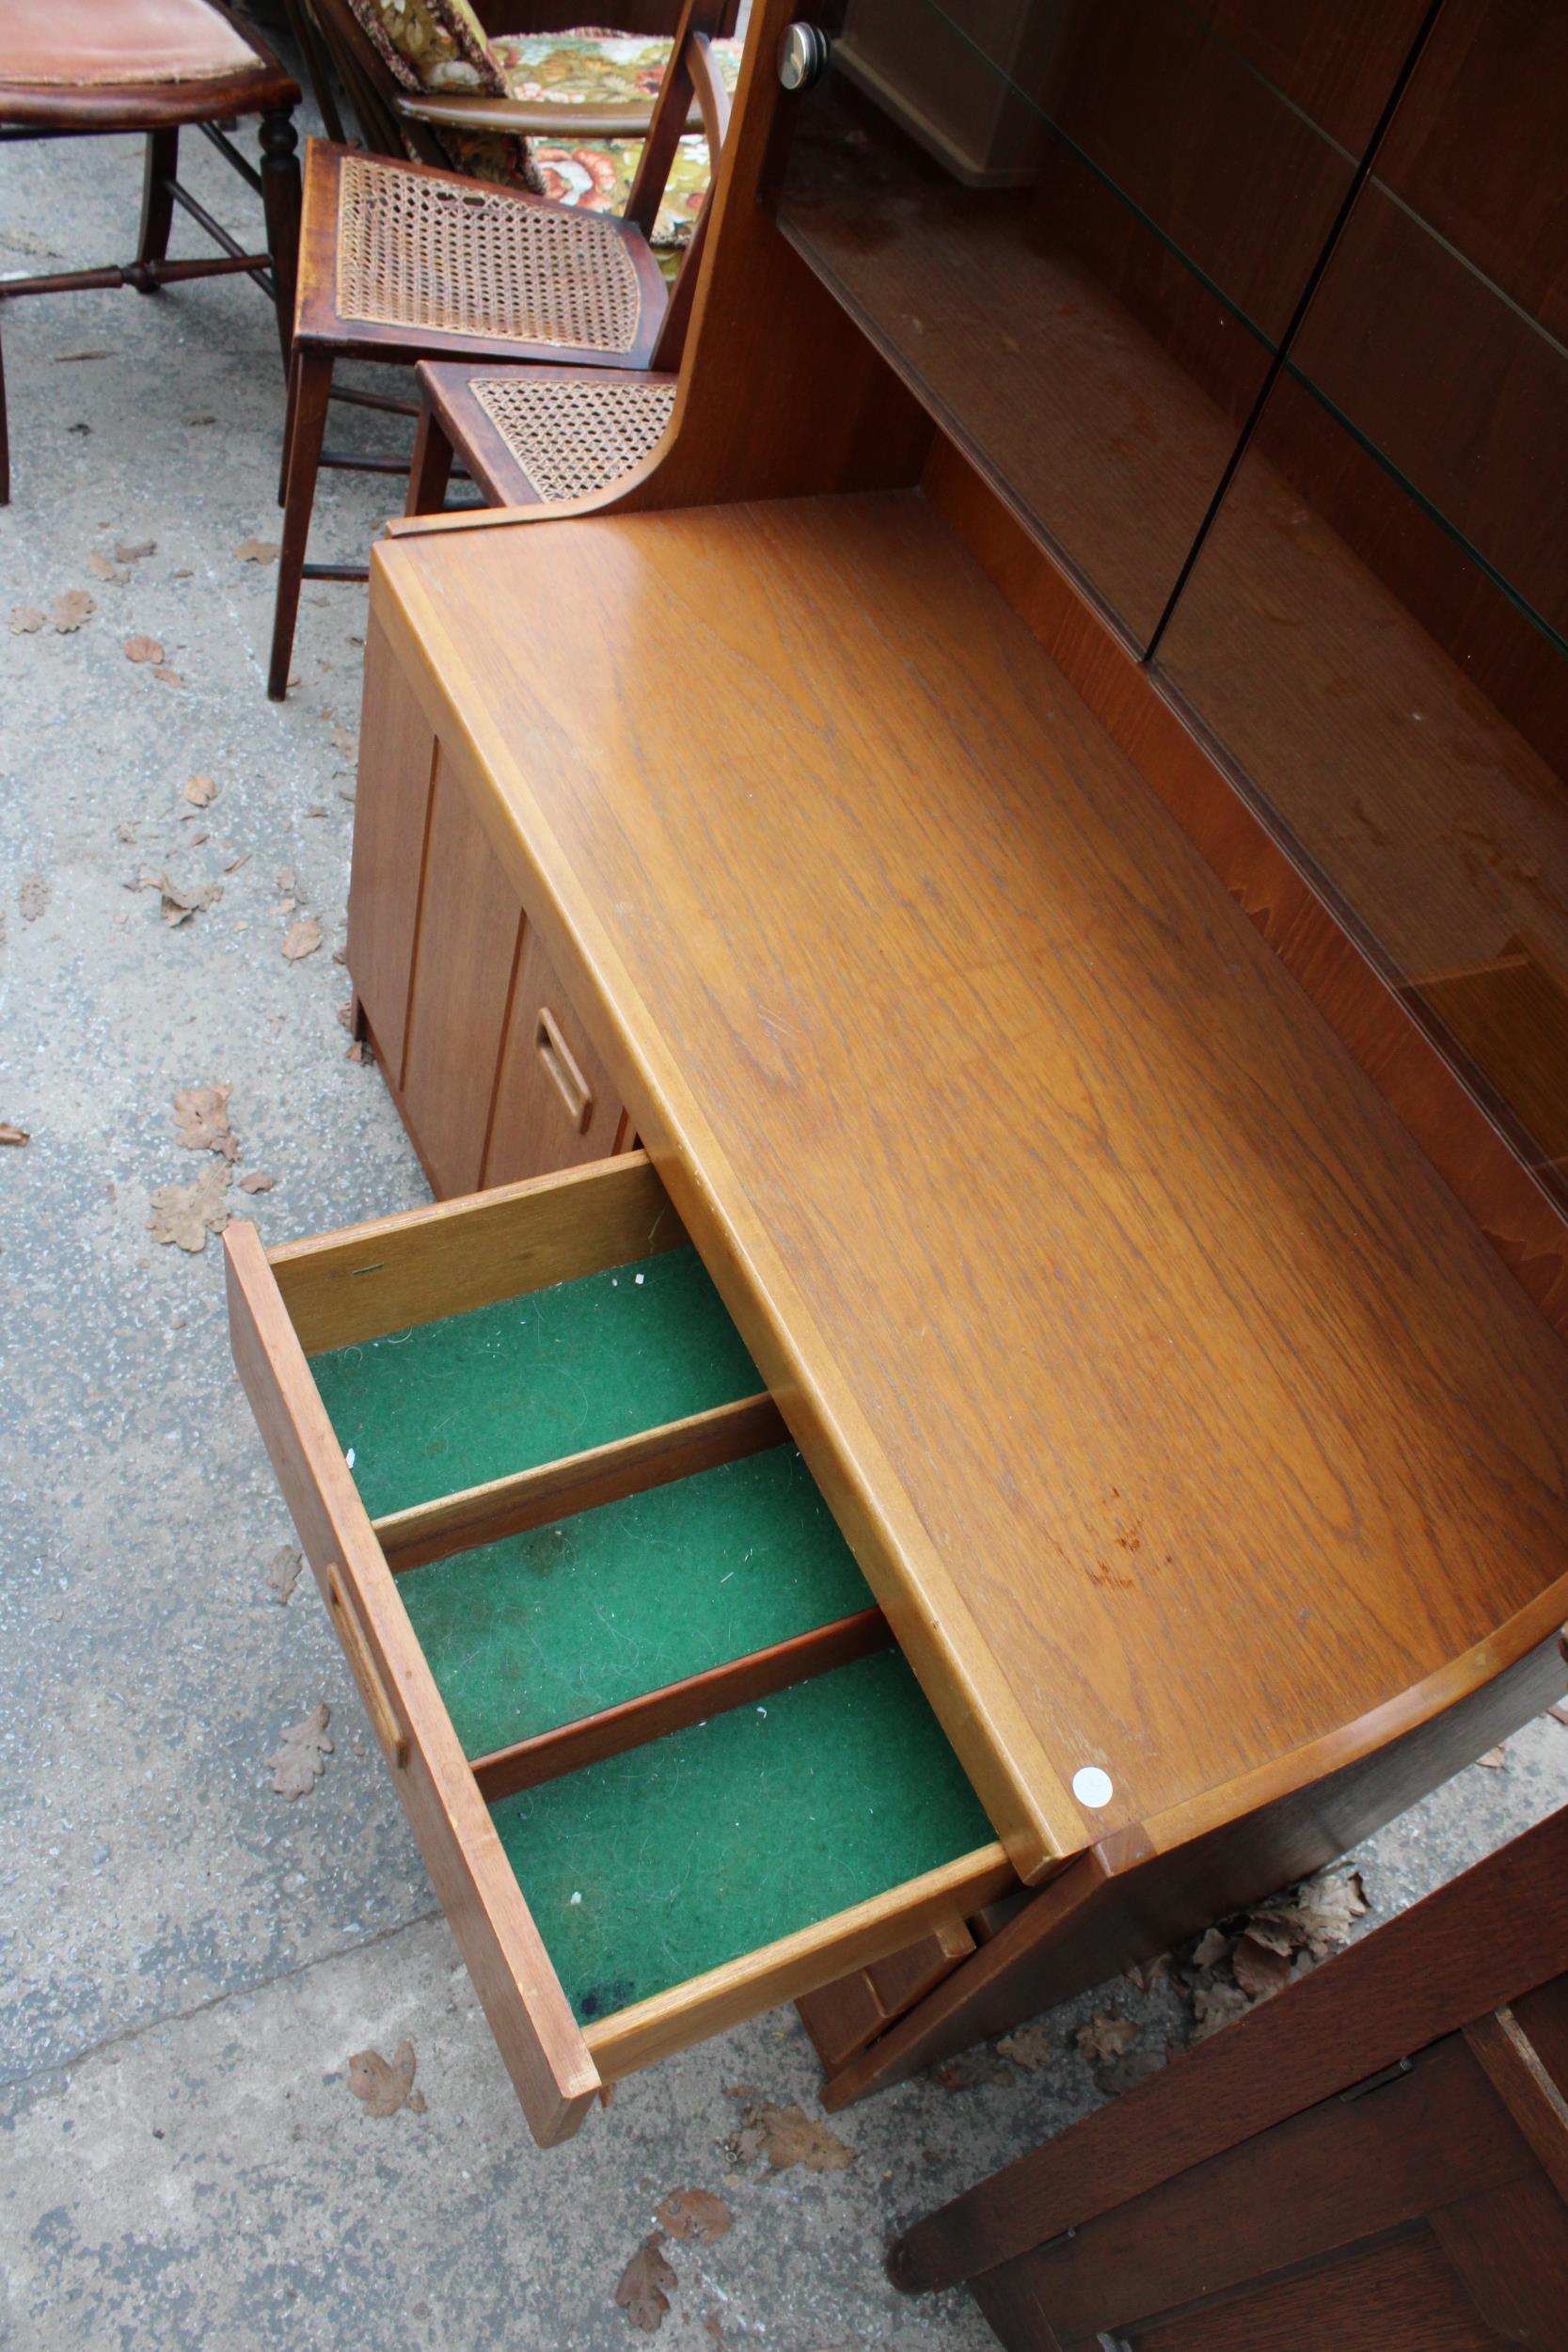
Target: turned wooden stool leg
pixel 157 203
pixel 280 202
pixel 431 470
pixel 312 391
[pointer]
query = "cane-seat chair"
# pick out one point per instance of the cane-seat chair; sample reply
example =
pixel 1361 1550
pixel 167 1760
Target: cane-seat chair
pixel 402 262
pixel 541 434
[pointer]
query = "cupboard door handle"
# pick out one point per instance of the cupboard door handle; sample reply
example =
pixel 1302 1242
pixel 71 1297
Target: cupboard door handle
pixel 565 1076
pixel 372 1689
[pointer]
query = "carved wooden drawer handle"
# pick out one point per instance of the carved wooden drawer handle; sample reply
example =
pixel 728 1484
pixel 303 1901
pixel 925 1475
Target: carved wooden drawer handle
pixel 567 1079
pixel 372 1689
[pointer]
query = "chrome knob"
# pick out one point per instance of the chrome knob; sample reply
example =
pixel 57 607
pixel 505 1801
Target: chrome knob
pixel 802 54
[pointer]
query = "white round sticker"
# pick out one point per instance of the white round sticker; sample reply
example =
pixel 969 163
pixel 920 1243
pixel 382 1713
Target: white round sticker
pixel 1091 1786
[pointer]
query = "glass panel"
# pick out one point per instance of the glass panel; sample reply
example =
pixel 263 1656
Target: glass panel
pixel 1376 628
pixel 1080 227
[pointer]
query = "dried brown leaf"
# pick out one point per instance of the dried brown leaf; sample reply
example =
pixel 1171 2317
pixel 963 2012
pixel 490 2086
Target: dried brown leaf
pixel 1496 1759
pixel 133 554
pixel 643 2293
pixel 185 1215
pixel 301 1760
pixel 168 677
pixel 1212 1945
pixel 13 1135
pixel 1028 2047
pixel 1105 2038
pixel 178 901
pixel 200 791
pixel 32 898
pixel 68 613
pixel 1147 1974
pixel 1260 1968
pixel 260 1179
pixel 1559 1712
pixel 26 620
pixel 694 2215
pixel 1134 2068
pixel 345 742
pixel 969 2072
pixel 1216 2005
pixel 283 1572
pixel 1317 1914
pixel 1274 1935
pixel 257 551
pixel 787 2136
pixel 201 1120
pixel 302 938
pixel 383 2085
pixel 101 568
pixel 143 649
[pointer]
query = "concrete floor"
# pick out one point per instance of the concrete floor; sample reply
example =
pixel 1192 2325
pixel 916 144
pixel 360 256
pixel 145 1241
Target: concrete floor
pixel 189 1960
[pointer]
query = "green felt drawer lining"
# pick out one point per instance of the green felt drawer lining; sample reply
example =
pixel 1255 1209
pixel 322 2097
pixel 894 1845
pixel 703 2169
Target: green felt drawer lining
pixel 543 1628
pixel 473 1397
pixel 697 1847
pixel 712 1842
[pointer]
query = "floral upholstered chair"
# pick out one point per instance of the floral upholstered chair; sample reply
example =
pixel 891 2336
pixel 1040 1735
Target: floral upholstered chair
pixel 548 84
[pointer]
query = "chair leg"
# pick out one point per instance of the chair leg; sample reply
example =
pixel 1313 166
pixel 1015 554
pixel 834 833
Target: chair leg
pixel 310 391
pixel 280 202
pixel 5 436
pixel 287 437
pixel 431 470
pixel 157 203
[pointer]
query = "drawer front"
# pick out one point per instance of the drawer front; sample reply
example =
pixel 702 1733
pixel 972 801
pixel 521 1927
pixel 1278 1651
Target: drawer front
pixel 602 1245
pixel 555 1105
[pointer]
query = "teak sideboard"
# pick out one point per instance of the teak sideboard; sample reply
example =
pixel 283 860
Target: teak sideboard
pixel 969 1402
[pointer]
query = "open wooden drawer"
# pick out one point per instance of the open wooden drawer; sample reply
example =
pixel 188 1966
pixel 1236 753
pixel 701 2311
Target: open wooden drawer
pixel 664 1764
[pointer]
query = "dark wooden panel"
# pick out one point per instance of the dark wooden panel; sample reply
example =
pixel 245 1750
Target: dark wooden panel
pixel 1400 2297
pixel 1311 2186
pixel 1472 1945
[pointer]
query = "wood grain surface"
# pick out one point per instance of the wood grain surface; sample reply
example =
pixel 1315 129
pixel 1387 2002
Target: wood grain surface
pixel 1175 1411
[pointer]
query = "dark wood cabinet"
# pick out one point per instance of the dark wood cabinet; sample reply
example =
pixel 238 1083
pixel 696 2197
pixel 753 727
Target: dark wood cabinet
pixel 1378 2155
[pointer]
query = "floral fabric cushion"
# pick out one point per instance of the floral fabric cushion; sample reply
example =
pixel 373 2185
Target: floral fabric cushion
pixel 609 70
pixel 440 45
pixel 585 68
pixel 432 44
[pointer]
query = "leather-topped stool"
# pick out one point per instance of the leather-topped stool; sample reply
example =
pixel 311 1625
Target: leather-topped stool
pixel 79 69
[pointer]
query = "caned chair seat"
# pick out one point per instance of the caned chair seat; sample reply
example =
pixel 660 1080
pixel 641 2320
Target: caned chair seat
pixel 407 263
pixel 538 436
pixel 420 251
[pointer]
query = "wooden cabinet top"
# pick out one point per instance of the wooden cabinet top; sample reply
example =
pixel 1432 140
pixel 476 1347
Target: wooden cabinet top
pixel 1177 1413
